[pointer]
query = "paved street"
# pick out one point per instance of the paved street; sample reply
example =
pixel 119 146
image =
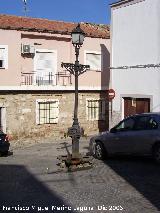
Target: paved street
pixel 30 182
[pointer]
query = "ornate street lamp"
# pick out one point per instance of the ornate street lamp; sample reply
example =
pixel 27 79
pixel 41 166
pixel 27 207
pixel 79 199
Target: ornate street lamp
pixel 76 69
pixel 77 36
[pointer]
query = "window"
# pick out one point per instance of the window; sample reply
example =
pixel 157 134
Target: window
pixel 152 124
pixel 45 65
pixel 3 57
pixel 47 111
pixel 125 125
pixel 94 60
pixel 146 123
pixel 95 109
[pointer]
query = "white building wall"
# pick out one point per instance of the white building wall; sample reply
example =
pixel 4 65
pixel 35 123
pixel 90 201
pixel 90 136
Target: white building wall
pixel 135 40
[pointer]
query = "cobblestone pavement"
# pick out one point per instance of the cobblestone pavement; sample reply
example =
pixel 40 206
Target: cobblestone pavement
pixel 30 182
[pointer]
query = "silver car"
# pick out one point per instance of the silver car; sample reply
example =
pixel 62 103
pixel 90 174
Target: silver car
pixel 136 135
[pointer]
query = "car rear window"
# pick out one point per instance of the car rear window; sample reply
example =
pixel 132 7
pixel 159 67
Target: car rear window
pixel 146 123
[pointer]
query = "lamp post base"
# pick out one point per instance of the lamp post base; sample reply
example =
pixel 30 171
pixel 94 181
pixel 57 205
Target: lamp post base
pixel 69 164
pixel 75 133
pixel 75 161
pixel 75 148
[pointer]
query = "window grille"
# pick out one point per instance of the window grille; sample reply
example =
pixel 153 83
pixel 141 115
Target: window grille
pixel 95 109
pixel 48 112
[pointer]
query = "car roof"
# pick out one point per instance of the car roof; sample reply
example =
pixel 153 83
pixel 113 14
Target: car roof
pixel 146 114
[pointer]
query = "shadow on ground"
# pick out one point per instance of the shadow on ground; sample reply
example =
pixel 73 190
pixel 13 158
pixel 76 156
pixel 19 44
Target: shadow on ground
pixel 20 189
pixel 141 173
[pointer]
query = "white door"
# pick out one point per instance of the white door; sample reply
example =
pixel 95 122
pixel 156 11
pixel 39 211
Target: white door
pixel 45 67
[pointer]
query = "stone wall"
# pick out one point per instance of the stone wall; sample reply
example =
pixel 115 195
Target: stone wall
pixel 21 113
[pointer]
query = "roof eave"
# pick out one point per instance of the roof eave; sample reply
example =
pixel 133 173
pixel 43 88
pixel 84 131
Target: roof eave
pixel 120 3
pixel 49 31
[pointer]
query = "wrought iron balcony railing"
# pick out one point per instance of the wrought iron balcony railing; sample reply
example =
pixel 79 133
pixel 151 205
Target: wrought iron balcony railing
pixel 33 78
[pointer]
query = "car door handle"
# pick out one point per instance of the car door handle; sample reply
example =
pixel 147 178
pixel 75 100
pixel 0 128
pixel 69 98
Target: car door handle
pixel 117 139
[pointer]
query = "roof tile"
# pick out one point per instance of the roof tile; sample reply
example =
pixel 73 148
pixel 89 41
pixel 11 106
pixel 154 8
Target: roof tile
pixel 36 24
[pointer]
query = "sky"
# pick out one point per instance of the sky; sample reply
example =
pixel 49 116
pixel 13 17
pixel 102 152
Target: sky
pixel 92 11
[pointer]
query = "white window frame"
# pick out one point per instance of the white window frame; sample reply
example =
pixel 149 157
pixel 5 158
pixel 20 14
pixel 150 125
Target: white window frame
pixel 93 52
pixel 103 109
pixel 37 110
pixel 45 51
pixel 5 56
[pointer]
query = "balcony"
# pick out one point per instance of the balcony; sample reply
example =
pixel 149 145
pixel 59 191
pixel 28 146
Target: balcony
pixel 60 79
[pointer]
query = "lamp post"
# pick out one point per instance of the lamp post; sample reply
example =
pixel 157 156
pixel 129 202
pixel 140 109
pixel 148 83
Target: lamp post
pixel 76 69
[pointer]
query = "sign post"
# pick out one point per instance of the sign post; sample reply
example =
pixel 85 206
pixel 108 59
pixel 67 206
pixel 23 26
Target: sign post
pixel 111 96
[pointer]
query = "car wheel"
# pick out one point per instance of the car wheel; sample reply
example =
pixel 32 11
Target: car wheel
pixel 99 151
pixel 4 154
pixel 156 153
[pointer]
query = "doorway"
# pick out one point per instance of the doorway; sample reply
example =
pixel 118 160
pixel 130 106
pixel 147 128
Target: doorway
pixel 136 105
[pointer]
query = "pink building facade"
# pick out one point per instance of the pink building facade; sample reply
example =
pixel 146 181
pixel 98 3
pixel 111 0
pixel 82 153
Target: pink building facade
pixel 36 94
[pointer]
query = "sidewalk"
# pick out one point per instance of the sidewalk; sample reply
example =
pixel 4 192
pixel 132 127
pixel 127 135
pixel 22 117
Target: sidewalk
pixel 31 177
pixel 60 146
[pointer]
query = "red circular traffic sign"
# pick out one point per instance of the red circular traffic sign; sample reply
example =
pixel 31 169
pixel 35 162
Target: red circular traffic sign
pixel 111 94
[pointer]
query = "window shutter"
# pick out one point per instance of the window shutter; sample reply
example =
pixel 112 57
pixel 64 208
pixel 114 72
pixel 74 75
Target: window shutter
pixel 54 112
pixel 2 53
pixel 45 61
pixel 45 67
pixel 94 60
pixel 2 57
